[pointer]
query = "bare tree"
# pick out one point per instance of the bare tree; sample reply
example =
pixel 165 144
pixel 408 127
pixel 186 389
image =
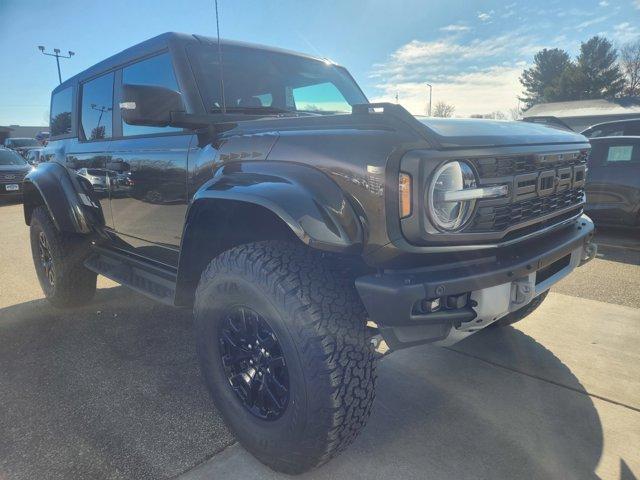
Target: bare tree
pixel 497 115
pixel 630 65
pixel 443 109
pixel 515 113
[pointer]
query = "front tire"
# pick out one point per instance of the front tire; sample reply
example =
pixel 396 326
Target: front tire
pixel 309 316
pixel 59 261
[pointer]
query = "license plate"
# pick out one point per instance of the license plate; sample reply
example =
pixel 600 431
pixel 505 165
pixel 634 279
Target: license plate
pixel 12 187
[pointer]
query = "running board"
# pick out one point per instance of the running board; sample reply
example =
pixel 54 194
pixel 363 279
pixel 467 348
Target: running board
pixel 154 282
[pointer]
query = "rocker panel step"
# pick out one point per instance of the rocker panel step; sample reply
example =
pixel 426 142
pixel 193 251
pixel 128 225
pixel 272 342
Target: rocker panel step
pixel 154 282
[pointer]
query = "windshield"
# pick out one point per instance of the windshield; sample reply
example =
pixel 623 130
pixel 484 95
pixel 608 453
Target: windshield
pixel 22 142
pixel 262 81
pixel 8 157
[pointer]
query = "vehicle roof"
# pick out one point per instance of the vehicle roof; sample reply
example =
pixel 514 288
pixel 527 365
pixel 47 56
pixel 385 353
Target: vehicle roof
pixel 163 41
pixel 613 122
pixel 615 138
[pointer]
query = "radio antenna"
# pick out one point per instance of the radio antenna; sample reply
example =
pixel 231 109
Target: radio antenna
pixel 224 102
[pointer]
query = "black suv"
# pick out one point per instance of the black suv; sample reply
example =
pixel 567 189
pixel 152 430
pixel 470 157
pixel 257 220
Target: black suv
pixel 13 169
pixel 309 230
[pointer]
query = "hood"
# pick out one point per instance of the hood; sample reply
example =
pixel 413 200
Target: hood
pixel 478 132
pixel 15 168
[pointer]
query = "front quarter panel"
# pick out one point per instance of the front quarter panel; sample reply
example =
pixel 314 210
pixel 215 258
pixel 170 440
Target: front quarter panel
pixel 310 203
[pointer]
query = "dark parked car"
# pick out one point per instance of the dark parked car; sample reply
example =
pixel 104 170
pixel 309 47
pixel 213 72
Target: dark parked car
pixel 309 230
pixel 613 181
pixel 22 145
pixel 13 169
pixel 619 128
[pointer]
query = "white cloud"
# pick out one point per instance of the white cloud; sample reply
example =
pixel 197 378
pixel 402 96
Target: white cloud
pixel 603 3
pixel 455 27
pixel 486 16
pixel 483 91
pixel 626 32
pixel 445 56
pixel 593 21
pixel 477 76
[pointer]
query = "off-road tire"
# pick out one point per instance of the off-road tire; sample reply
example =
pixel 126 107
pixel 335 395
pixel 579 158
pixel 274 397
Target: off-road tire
pixel 320 323
pixel 73 283
pixel 518 315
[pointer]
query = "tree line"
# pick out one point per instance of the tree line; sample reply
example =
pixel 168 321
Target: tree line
pixel 599 71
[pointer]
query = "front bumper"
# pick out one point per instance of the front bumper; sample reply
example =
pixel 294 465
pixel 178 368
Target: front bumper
pixel 474 294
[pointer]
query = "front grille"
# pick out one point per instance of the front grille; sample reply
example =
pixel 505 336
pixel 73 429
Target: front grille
pixel 540 186
pixel 495 167
pixel 498 218
pixel 12 177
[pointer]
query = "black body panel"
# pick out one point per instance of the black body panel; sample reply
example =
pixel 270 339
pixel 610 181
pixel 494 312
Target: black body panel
pixel 613 181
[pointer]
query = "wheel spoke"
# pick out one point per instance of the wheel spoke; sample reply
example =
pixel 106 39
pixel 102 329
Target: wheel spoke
pixel 279 388
pixel 272 396
pixel 276 362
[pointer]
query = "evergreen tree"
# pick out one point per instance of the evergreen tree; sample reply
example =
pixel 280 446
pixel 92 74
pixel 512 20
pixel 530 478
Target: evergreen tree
pixel 597 74
pixel 542 81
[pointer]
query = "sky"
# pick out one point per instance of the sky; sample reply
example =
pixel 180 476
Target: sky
pixel 472 53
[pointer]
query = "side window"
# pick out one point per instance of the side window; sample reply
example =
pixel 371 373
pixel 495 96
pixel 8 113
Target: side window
pixel 97 108
pixel 156 71
pixel 61 105
pixel 622 154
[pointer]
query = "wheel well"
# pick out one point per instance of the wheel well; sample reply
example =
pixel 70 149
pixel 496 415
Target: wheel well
pixel 31 198
pixel 220 225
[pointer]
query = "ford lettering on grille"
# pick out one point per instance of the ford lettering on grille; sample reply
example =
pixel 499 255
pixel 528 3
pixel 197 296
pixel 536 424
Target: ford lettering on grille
pixel 548 182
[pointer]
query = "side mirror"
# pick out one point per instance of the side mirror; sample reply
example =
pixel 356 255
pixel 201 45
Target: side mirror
pixel 149 105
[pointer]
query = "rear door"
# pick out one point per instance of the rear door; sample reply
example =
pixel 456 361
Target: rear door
pixel 613 180
pixel 89 156
pixel 149 164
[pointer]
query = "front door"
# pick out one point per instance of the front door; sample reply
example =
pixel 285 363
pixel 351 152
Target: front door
pixel 149 192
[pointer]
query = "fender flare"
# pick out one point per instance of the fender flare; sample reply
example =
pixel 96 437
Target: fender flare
pixel 313 206
pixel 52 183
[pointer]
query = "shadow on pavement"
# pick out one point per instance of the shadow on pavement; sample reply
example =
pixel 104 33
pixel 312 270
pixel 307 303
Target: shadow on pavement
pixel 110 390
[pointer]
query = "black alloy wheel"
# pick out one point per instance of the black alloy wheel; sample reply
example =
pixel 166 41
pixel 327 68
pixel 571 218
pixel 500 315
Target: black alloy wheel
pixel 254 363
pixel 46 260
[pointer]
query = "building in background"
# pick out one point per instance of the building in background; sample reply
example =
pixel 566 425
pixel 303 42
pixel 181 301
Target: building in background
pixel 18 131
pixel 581 114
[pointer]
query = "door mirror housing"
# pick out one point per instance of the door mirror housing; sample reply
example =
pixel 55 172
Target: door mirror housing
pixel 149 105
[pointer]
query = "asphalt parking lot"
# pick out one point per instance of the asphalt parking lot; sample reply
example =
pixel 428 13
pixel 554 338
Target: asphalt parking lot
pixel 112 390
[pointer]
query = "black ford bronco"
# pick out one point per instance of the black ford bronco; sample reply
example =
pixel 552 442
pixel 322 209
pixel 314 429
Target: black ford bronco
pixel 309 230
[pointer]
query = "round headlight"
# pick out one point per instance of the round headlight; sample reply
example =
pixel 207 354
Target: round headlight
pixel 447 212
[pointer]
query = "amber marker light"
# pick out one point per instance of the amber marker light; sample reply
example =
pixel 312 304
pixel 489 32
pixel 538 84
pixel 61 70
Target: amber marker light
pixel 404 189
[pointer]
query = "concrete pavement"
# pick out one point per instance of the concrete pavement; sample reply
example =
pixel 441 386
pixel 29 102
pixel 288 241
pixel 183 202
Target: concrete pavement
pixel 112 390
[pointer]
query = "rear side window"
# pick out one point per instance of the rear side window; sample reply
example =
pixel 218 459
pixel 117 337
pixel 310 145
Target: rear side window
pixel 61 105
pixel 156 71
pixel 97 108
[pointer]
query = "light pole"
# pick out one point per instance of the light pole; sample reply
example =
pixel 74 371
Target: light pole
pixel 56 53
pixel 430 89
